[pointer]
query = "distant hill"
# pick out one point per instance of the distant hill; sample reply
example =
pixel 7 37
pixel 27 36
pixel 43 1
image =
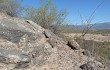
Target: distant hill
pixel 96 26
pixel 100 26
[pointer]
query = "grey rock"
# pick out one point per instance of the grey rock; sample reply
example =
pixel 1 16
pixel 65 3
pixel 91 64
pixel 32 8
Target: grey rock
pixel 35 48
pixel 87 53
pixel 54 40
pixel 89 66
pixel 22 64
pixel 39 50
pixel 73 45
pixel 13 56
pixel 48 34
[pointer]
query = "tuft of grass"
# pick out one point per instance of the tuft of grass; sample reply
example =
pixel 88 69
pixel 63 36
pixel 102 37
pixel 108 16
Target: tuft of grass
pixel 103 52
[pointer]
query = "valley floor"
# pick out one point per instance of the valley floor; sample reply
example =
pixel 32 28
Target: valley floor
pixel 94 37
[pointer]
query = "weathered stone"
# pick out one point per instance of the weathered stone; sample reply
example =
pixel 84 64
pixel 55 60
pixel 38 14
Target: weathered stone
pixel 24 45
pixel 73 45
pixel 89 66
pixel 22 64
pixel 87 53
pixel 13 56
pixel 48 34
pixel 39 50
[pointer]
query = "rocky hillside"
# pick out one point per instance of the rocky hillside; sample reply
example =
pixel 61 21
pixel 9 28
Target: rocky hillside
pixel 24 45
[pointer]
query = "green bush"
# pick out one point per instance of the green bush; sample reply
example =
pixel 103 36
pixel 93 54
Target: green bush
pixel 47 15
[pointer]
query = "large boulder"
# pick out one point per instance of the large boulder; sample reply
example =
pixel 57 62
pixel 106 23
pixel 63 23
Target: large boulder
pixel 24 45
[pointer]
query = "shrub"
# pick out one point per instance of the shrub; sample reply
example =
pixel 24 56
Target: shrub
pixel 12 7
pixel 46 15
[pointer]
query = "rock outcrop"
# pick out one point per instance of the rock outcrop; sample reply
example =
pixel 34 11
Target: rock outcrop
pixel 24 45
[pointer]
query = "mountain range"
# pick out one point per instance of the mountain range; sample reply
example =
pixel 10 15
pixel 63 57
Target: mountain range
pixel 96 26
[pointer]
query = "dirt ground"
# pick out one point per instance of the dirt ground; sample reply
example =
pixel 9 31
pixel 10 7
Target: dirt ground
pixel 94 37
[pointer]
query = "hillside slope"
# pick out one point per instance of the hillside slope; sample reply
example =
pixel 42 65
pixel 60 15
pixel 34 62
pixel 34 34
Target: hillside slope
pixel 24 45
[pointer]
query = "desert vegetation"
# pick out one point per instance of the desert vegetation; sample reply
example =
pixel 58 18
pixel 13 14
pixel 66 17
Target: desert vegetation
pixel 46 15
pixel 12 7
pixel 49 17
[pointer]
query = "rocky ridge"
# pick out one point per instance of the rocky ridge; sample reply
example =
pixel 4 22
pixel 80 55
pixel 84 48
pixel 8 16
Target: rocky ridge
pixel 24 45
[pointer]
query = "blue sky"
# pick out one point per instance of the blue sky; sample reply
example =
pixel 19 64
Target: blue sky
pixel 85 7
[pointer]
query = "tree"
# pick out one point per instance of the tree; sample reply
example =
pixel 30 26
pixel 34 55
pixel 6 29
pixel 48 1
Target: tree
pixel 46 15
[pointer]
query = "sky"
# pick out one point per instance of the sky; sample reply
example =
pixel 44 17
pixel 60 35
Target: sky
pixel 74 7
